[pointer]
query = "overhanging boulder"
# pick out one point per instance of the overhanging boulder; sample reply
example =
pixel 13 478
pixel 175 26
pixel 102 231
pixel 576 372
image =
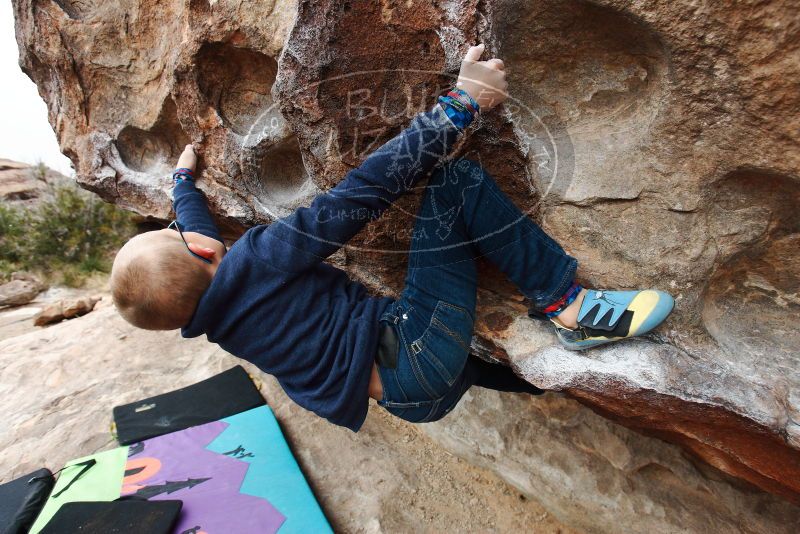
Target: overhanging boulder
pixel 658 144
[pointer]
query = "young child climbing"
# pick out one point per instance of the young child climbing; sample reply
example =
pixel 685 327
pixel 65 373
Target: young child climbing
pixel 272 300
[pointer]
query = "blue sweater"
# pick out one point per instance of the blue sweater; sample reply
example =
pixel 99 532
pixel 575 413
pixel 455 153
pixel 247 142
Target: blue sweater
pixel 274 302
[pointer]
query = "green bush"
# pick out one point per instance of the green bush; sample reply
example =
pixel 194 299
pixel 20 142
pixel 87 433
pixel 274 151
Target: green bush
pixel 69 236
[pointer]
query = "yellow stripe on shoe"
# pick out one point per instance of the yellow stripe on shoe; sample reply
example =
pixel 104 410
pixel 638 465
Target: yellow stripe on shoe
pixel 642 306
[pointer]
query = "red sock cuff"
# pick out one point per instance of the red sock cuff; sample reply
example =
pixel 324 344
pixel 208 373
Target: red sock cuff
pixel 567 299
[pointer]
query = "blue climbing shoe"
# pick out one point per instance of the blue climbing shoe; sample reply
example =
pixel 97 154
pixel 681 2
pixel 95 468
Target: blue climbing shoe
pixel 607 316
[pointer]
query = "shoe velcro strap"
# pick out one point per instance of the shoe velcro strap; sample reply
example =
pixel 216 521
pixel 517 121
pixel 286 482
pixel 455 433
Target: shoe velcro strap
pixel 603 327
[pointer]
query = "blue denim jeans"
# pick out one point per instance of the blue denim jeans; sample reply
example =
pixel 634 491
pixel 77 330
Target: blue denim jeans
pixel 463 216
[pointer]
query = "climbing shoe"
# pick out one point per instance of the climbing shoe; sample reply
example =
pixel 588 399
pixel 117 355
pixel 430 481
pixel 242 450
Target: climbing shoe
pixel 607 316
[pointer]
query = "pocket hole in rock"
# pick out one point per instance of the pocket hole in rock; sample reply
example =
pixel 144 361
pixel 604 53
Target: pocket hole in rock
pixel 752 300
pixel 155 150
pixel 76 9
pixel 596 78
pixel 586 62
pixel 237 82
pixel 283 177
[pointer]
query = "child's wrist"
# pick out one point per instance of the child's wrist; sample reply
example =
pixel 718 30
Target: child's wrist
pixel 464 97
pixel 459 107
pixel 183 174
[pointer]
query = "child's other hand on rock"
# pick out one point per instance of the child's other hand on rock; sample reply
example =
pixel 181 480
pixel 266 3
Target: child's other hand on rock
pixel 188 159
pixel 484 81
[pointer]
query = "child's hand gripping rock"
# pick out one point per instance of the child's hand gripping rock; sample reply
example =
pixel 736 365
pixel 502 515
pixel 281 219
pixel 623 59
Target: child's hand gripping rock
pixel 484 81
pixel 187 159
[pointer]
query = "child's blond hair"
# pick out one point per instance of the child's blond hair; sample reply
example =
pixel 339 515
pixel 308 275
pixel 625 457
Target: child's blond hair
pixel 159 287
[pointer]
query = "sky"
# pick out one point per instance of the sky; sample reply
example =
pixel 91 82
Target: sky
pixel 25 134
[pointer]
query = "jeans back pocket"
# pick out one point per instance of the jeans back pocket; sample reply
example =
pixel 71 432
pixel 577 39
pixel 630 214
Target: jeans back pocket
pixel 441 352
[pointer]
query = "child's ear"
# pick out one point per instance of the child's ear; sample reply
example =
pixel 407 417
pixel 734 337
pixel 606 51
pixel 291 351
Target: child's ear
pixel 205 252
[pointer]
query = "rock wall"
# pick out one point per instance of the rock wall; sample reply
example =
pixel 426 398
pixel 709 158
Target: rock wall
pixel 600 477
pixel 658 141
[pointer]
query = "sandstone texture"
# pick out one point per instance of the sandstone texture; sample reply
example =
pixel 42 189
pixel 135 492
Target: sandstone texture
pixel 656 140
pixel 18 181
pixel 23 185
pixel 65 309
pixel 21 289
pixel 18 320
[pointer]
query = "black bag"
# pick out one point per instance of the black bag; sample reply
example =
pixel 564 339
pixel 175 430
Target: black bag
pixel 121 516
pixel 213 399
pixel 22 499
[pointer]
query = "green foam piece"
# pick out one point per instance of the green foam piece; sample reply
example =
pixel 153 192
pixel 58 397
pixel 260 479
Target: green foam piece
pixel 99 483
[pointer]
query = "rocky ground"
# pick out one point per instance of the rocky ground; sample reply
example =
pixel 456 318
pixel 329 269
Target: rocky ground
pixel 498 463
pixel 59 384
